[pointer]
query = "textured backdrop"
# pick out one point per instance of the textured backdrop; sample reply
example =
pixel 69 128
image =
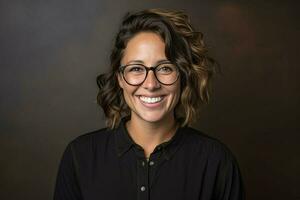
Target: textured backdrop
pixel 52 51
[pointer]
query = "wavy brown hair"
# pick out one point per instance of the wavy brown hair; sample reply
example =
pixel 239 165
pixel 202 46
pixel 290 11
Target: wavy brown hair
pixel 184 47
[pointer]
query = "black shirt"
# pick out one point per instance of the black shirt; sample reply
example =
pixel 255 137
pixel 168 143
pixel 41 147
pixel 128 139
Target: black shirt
pixel 107 164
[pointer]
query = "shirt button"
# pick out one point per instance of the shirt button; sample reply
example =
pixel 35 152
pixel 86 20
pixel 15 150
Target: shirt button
pixel 143 188
pixel 151 163
pixel 143 163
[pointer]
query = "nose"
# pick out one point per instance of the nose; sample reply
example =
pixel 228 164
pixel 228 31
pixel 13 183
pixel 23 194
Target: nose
pixel 151 82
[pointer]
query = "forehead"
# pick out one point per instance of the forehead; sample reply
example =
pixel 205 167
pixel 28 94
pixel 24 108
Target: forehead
pixel 146 46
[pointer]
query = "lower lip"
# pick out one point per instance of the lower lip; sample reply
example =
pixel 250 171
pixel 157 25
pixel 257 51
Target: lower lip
pixel 152 105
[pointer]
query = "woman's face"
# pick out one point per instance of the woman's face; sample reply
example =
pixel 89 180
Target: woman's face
pixel 151 101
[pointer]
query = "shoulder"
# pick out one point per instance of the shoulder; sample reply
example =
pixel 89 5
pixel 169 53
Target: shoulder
pixel 205 145
pixel 219 163
pixel 92 140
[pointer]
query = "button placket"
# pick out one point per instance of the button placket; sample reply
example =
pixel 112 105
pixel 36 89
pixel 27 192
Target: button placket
pixel 155 166
pixel 143 188
pixel 151 163
pixel 142 180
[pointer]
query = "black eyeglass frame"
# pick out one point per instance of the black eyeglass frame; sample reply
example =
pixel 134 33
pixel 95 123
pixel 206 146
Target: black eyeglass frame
pixel 153 68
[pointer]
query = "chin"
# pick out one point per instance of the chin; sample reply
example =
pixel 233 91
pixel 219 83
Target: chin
pixel 154 117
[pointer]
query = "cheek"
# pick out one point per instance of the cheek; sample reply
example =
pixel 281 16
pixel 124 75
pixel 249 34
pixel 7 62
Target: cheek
pixel 178 94
pixel 128 92
pixel 127 98
pixel 120 82
pixel 175 94
pixel 177 99
pixel 177 89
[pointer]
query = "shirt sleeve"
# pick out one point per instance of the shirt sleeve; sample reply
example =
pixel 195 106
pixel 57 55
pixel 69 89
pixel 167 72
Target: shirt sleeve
pixel 67 186
pixel 229 184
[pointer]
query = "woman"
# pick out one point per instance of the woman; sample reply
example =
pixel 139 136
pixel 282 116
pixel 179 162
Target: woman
pixel 159 78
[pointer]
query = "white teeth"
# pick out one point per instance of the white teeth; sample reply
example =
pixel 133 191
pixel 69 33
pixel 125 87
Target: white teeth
pixel 150 100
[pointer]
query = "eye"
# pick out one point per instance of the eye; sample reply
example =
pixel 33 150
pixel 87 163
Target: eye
pixel 135 69
pixel 166 68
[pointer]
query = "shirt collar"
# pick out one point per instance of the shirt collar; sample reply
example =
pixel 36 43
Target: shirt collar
pixel 124 142
pixel 122 138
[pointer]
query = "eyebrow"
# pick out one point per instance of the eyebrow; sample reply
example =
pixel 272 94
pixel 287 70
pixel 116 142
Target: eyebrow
pixel 142 62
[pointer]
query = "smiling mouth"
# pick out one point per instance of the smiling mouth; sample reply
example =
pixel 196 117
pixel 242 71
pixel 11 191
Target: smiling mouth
pixel 151 100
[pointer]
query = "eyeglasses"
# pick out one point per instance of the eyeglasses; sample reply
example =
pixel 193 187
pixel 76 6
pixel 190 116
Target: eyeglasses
pixel 135 74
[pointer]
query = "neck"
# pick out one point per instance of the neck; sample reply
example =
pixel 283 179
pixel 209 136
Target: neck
pixel 150 134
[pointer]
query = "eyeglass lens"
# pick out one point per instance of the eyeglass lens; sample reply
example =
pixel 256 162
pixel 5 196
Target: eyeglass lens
pixel 135 74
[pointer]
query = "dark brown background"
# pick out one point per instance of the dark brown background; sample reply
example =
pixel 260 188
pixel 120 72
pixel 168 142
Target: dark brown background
pixel 52 51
